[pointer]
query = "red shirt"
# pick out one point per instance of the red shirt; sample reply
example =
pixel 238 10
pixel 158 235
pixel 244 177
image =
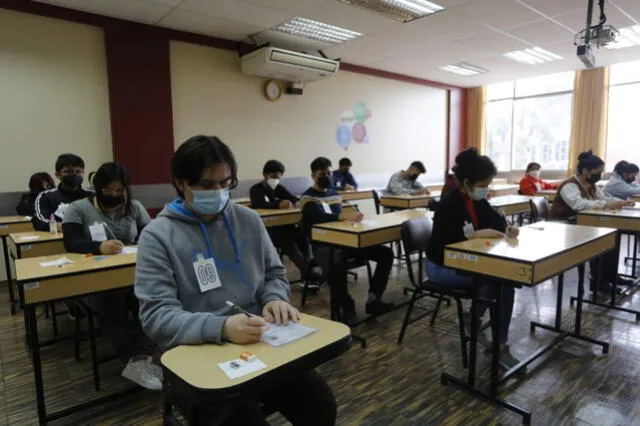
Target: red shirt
pixel 530 185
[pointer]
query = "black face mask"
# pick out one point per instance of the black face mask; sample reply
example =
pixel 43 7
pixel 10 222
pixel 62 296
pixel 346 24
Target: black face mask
pixel 110 201
pixel 71 181
pixel 413 177
pixel 630 180
pixel 324 182
pixel 594 178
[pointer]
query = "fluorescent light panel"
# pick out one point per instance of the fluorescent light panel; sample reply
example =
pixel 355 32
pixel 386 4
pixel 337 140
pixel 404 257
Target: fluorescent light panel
pixel 532 56
pixel 314 30
pixel 399 10
pixel 629 37
pixel 462 68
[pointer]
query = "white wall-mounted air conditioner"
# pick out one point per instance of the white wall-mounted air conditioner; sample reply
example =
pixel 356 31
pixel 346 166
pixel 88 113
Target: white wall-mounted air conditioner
pixel 286 65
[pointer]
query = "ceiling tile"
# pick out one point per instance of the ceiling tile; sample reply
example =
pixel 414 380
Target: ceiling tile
pixel 351 17
pixel 495 43
pixel 237 11
pixel 631 7
pixel 297 7
pixel 170 3
pixel 556 7
pixel 498 13
pixel 577 20
pixel 543 31
pixel 133 10
pixel 445 25
pixel 287 41
pixel 354 55
pixel 207 25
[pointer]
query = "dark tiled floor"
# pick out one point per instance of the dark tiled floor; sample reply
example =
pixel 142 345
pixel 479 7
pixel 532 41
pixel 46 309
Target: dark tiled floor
pixel 385 384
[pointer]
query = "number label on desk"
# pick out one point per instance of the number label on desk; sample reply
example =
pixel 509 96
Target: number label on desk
pixel 31 286
pixel 4 226
pixel 268 218
pixel 451 255
pixel 603 218
pixel 319 231
pixel 26 247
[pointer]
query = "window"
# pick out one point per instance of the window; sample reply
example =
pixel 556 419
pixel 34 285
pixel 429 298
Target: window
pixel 530 120
pixel 624 92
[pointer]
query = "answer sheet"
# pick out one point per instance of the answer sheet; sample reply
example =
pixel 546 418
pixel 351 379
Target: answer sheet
pixel 279 335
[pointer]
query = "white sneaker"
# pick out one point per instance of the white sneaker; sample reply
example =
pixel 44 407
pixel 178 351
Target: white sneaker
pixel 156 369
pixel 141 372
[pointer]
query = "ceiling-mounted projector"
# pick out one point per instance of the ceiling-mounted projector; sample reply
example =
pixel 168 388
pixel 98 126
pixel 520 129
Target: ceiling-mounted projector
pixel 594 36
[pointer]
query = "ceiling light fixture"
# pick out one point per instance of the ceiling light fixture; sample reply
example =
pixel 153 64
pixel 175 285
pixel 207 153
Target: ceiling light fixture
pixel 532 56
pixel 314 30
pixel 399 10
pixel 629 37
pixel 462 68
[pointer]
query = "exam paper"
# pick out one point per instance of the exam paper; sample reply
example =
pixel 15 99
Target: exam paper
pixel 239 367
pixel 369 222
pixel 58 262
pixel 129 250
pixel 29 237
pixel 279 335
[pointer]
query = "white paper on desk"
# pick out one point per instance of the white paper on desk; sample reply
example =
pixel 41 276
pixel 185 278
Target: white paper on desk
pixel 27 218
pixel 279 335
pixel 369 223
pixel 29 237
pixel 129 250
pixel 58 262
pixel 244 368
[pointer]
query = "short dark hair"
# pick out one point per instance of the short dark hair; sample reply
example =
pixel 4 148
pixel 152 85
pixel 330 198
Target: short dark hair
pixel 625 167
pixel 36 181
pixel 199 153
pixel 111 172
pixel 320 163
pixel 418 165
pixel 588 160
pixel 473 167
pixel 532 166
pixel 633 168
pixel 273 166
pixel 68 160
pixel 344 162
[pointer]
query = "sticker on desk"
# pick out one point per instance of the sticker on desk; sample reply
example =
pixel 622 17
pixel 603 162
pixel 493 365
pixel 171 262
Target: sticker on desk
pixel 29 237
pixel 318 231
pixel 280 335
pixel 58 262
pixel 268 218
pixel 4 226
pixel 462 256
pixel 472 258
pixel 452 255
pixel 239 367
pixel 31 286
pixel 26 247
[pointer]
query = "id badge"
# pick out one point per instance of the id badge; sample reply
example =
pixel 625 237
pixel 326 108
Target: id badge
pixel 326 208
pixel 467 229
pixel 538 187
pixel 98 232
pixel 206 273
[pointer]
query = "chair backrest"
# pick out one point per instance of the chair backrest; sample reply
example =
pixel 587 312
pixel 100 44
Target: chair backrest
pixel 539 209
pixel 416 234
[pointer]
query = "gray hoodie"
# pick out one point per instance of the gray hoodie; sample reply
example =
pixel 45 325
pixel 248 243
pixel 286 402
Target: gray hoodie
pixel 173 311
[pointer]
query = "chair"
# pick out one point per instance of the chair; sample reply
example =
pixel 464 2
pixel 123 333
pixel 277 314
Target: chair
pixel 539 209
pixel 416 234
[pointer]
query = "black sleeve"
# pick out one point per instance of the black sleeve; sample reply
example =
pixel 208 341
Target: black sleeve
pixel 449 225
pixel 43 210
pixel 257 195
pixel 140 228
pixel 313 213
pixel 75 240
pixel 495 218
pixel 351 180
pixel 283 193
pixel 25 206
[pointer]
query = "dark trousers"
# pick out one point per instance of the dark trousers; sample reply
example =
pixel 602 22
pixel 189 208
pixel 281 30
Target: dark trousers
pixel 306 401
pixel 609 266
pixel 291 242
pixel 120 324
pixel 382 255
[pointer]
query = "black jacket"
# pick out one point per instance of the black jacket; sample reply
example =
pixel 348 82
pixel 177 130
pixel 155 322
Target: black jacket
pixel 449 220
pixel 263 197
pixel 25 206
pixel 53 202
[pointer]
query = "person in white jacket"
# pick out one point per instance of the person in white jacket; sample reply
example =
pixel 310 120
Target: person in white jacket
pixel 622 183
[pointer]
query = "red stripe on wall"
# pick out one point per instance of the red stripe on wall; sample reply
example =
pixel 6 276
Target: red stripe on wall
pixel 139 74
pixel 457 124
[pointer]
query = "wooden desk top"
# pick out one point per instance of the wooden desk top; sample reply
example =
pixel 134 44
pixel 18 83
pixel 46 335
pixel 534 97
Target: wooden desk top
pixel 547 192
pixel 197 365
pixel 628 212
pixel 21 238
pixel 374 223
pixel 508 200
pixel 31 270
pixel 432 194
pixel 277 212
pixel 502 186
pixel 245 201
pixel 6 220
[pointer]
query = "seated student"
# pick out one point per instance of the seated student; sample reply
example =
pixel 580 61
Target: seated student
pixel 38 182
pixel 531 183
pixel 321 204
pixel 581 193
pixel 104 224
pixel 342 179
pixel 405 182
pixel 180 307
pixel 465 214
pixel 70 172
pixel 269 194
pixel 622 183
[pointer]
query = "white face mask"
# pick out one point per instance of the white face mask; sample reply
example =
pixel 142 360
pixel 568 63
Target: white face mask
pixel 535 173
pixel 273 183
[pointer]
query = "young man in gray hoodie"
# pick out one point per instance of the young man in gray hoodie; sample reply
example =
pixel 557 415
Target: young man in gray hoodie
pixel 204 250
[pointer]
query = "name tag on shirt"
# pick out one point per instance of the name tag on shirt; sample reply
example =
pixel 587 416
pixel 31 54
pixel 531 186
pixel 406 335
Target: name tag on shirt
pixel 326 208
pixel 468 229
pixel 206 273
pixel 98 232
pixel 538 187
pixel 266 198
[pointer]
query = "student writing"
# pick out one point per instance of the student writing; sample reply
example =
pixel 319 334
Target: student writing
pixel 622 183
pixel 405 182
pixel 531 183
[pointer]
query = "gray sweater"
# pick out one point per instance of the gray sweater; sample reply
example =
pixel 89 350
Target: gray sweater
pixel 173 311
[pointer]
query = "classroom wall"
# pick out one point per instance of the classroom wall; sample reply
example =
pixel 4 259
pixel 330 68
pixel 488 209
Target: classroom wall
pixel 53 96
pixel 211 96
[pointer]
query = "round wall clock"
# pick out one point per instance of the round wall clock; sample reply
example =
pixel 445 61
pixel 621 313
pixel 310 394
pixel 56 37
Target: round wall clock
pixel 273 90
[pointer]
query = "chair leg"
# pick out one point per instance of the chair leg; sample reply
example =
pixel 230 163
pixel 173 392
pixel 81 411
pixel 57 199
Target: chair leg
pixel 54 319
pixel 76 338
pixel 436 310
pixel 305 288
pixel 94 355
pixel 46 310
pixel 463 336
pixel 369 273
pixel 405 322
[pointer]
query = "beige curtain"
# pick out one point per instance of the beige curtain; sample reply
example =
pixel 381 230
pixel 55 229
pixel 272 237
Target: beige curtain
pixel 589 115
pixel 476 128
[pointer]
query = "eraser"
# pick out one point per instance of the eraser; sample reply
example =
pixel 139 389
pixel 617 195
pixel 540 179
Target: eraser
pixel 248 356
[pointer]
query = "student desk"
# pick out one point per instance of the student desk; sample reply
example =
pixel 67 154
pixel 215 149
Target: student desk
pixel 244 201
pixel 635 199
pixel 626 220
pixel 9 225
pixel 407 201
pixel 511 205
pixel 543 250
pixel 503 189
pixel 549 194
pixel 192 374
pixel 357 194
pixel 38 285
pixel 283 217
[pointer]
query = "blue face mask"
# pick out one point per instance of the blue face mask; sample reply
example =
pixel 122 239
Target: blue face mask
pixel 479 194
pixel 211 201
